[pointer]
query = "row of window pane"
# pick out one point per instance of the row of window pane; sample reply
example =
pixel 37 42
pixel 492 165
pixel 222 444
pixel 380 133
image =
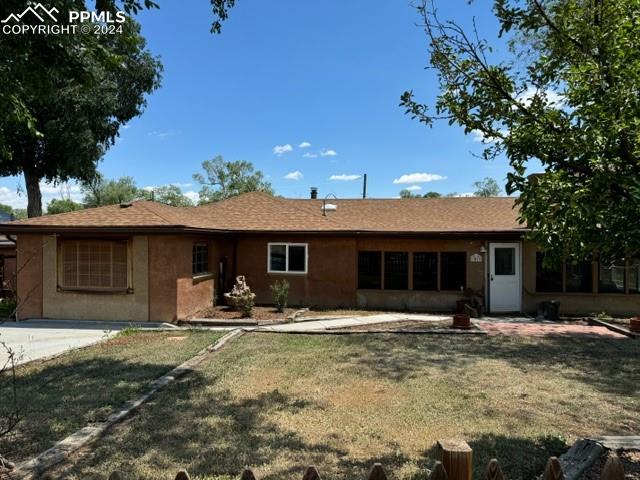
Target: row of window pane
pixel 287 258
pixel 200 260
pixel 94 264
pixel 452 270
pixel 579 277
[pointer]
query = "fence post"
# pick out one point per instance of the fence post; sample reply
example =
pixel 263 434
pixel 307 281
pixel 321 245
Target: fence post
pixel 247 474
pixel 456 456
pixel 438 472
pixel 553 470
pixel 311 474
pixel 613 469
pixel 182 475
pixel 377 472
pixel 116 475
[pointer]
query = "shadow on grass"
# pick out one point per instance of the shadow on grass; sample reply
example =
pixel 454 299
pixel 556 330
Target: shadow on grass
pixel 61 398
pixel 606 364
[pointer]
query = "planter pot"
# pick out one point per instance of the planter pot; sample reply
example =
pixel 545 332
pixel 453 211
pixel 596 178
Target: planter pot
pixel 635 325
pixel 462 321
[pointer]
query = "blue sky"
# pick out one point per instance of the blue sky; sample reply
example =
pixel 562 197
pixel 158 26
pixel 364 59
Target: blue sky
pixel 284 72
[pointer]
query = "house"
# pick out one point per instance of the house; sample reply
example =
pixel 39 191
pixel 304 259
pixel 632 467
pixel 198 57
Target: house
pixel 149 261
pixel 7 259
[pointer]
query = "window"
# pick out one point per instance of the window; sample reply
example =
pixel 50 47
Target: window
pixel 611 277
pixel 425 271
pixel 287 258
pixel 634 275
pixel 579 277
pixel 548 278
pixel 505 261
pixel 453 270
pixel 396 270
pixel 369 270
pixel 94 265
pixel 200 263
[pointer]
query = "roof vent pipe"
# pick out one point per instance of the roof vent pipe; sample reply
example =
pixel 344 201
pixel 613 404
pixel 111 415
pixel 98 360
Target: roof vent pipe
pixel 314 193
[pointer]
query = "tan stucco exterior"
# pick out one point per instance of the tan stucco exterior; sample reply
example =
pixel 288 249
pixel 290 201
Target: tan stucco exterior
pixel 29 284
pixel 131 306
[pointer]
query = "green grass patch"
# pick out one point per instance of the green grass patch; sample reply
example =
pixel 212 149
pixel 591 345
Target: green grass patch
pixel 59 396
pixel 281 402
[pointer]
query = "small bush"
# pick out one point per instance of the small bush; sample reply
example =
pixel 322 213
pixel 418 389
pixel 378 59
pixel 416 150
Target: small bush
pixel 280 292
pixel 241 297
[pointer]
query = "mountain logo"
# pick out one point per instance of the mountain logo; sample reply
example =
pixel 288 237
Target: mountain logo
pixel 38 10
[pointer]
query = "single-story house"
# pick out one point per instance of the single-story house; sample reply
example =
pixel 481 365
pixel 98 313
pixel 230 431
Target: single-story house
pixel 148 261
pixel 7 259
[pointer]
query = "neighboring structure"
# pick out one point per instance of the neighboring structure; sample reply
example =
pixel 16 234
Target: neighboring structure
pixel 148 261
pixel 7 260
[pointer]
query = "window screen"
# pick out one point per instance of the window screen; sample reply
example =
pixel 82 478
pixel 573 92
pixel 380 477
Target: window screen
pixel 425 271
pixel 369 270
pixel 200 263
pixel 94 264
pixel 611 277
pixel 579 277
pixel 505 261
pixel 396 270
pixel 548 277
pixel 453 270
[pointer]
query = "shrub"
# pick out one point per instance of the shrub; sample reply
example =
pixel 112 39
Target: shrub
pixel 280 292
pixel 241 297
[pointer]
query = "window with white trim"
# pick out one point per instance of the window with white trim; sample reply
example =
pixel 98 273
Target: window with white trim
pixel 287 258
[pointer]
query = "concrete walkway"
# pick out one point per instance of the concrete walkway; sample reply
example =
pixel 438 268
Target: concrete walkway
pixel 345 322
pixel 34 339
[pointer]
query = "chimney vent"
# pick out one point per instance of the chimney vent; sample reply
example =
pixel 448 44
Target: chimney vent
pixel 314 193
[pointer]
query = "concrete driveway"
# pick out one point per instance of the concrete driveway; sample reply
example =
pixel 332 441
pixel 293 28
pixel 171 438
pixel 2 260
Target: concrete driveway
pixel 33 339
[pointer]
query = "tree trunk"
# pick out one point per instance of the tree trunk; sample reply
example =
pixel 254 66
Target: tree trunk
pixel 34 197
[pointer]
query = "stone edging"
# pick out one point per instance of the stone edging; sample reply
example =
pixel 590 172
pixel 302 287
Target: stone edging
pixel 614 328
pixel 63 449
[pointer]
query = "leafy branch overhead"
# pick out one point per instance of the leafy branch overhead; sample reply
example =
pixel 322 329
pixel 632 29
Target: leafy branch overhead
pixel 562 93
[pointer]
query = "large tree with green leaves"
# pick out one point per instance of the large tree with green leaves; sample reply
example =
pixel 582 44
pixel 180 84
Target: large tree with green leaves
pixel 563 92
pixel 487 188
pixel 224 179
pixel 65 97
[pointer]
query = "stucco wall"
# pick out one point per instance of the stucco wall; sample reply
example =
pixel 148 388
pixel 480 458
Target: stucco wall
pixel 332 272
pixel 93 305
pixel 574 303
pixel 194 293
pixel 29 283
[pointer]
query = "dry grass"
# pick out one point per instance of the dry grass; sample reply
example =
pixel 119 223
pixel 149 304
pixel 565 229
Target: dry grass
pixel 61 395
pixel 278 403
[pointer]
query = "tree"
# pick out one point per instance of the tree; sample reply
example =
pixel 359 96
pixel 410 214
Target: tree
pixel 62 205
pixel 171 195
pixel 565 94
pixel 224 179
pixel 487 188
pixel 408 194
pixel 62 102
pixel 6 208
pixel 432 195
pixel 100 192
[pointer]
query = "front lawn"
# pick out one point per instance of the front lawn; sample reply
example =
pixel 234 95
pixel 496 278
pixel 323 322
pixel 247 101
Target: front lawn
pixel 280 402
pixel 62 395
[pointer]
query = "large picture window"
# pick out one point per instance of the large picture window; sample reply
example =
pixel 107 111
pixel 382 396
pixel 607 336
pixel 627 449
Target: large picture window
pixel 611 277
pixel 287 258
pixel 579 277
pixel 369 270
pixel 453 270
pixel 396 270
pixel 425 271
pixel 94 265
pixel 200 261
pixel 548 277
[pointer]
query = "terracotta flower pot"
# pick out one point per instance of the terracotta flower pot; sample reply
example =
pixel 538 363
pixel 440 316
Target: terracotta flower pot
pixel 461 320
pixel 635 325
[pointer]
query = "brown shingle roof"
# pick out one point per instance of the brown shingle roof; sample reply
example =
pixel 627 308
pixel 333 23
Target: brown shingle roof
pixel 259 212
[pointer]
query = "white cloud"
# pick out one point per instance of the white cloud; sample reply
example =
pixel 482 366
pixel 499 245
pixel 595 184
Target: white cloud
pixel 414 188
pixel 328 153
pixel 161 134
pixel 344 177
pixel 310 155
pixel 192 195
pixel 553 98
pixel 297 175
pixel 304 145
pixel 419 178
pixel 480 137
pixel 282 149
pixel 18 198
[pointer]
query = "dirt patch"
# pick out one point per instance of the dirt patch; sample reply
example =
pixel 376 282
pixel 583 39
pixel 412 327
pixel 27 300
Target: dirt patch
pixel 570 329
pixel 630 461
pixel 176 339
pixel 261 314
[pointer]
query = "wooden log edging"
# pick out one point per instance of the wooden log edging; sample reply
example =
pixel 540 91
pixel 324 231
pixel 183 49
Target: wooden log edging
pixel 31 469
pixel 614 328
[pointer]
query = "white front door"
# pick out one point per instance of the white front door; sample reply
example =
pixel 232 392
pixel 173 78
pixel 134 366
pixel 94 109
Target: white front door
pixel 505 291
